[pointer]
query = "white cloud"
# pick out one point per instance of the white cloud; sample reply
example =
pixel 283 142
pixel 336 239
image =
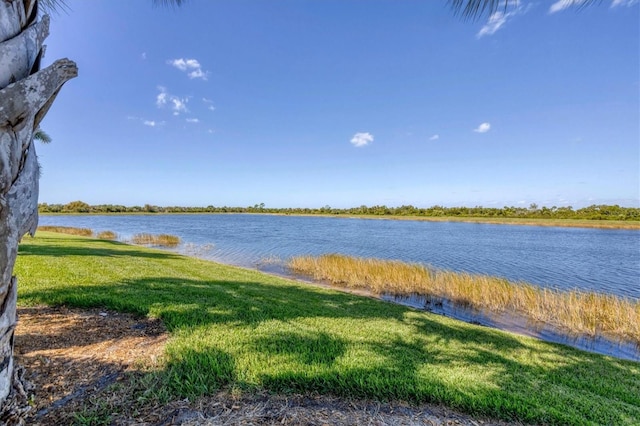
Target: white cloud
pixel 191 66
pixel 499 18
pixel 362 139
pixel 178 105
pixel 143 56
pixel 184 64
pixel 149 123
pixel 198 74
pixel 152 123
pixel 563 4
pixel 209 101
pixel 628 3
pixel 483 128
pixel 161 99
pixel 434 138
pixel 192 120
pixel 495 22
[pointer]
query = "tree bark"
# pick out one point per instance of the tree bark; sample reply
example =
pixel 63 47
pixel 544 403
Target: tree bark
pixel 26 93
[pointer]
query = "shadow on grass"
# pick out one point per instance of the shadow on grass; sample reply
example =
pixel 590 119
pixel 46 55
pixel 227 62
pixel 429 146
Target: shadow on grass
pixel 295 338
pixel 305 348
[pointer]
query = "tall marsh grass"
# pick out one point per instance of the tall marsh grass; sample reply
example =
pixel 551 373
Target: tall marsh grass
pixel 580 312
pixel 107 235
pixel 162 240
pixel 85 232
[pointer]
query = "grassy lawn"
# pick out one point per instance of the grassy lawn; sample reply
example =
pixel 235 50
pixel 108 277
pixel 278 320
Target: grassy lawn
pixel 244 330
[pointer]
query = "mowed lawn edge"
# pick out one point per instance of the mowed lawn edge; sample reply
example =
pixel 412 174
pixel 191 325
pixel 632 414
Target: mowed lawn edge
pixel 241 329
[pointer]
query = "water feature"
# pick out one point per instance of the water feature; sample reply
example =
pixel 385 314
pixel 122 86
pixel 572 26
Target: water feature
pixel 599 260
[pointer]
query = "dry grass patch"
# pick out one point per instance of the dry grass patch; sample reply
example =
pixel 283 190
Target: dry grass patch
pixel 85 232
pixel 107 235
pixel 580 312
pixel 162 240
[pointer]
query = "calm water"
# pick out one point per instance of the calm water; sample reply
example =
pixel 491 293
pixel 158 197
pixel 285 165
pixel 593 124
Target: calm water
pixel 606 261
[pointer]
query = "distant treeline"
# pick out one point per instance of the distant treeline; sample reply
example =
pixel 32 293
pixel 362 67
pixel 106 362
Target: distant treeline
pixel 594 212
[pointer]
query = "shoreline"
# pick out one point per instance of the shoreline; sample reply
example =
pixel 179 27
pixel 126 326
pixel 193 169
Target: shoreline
pixel 513 322
pixel 506 321
pixel 562 223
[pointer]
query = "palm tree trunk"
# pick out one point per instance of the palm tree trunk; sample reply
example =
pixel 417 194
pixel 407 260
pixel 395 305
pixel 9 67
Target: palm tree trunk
pixel 26 93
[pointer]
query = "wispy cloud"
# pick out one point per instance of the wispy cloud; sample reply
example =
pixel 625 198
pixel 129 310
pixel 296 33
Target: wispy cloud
pixel 192 120
pixel 498 19
pixel 209 103
pixel 178 105
pixel 564 4
pixel 143 56
pixel 191 66
pixel 161 99
pixel 149 123
pixel 361 139
pixel 628 3
pixel 561 5
pixel 483 128
pixel 434 138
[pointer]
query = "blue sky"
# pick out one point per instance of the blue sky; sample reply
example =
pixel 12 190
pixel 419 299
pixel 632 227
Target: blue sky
pixel 307 103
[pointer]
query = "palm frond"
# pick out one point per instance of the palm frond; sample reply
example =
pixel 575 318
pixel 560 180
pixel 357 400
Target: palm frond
pixel 53 6
pixel 169 2
pixel 475 9
pixel 42 136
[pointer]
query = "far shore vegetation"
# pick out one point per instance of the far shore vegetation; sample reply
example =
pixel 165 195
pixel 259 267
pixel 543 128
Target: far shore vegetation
pixel 578 312
pixel 244 331
pixel 600 216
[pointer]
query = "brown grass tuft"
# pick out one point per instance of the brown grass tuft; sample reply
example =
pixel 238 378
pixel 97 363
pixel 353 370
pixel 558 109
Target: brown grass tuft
pixel 163 240
pixel 85 232
pixel 580 312
pixel 107 235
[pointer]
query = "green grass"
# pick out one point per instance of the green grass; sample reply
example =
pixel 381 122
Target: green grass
pixel 244 330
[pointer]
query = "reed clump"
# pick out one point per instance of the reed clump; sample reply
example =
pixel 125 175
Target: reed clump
pixel 107 235
pixel 579 312
pixel 162 240
pixel 85 232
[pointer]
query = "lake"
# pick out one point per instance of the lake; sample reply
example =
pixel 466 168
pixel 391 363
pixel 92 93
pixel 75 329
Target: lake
pixel 599 260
